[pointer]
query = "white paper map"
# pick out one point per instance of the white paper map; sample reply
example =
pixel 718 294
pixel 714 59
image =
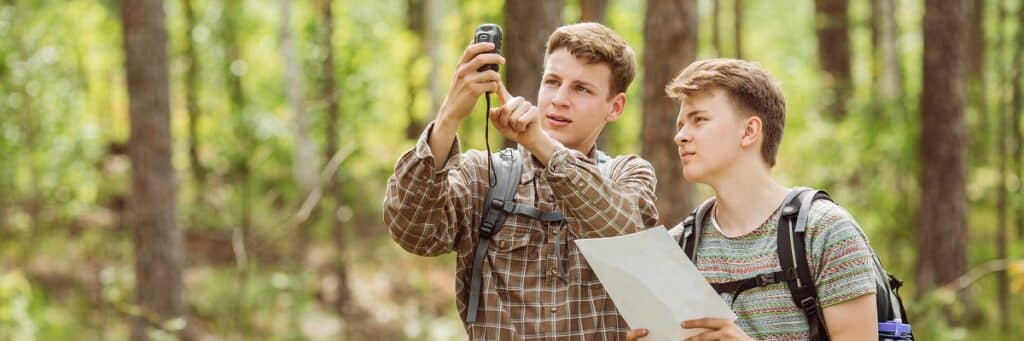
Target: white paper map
pixel 652 282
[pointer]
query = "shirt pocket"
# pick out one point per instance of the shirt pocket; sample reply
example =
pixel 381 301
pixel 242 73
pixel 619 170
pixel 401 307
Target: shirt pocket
pixel 512 238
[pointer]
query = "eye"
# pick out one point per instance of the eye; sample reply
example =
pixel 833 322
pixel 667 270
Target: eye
pixel 699 119
pixel 551 82
pixel 582 89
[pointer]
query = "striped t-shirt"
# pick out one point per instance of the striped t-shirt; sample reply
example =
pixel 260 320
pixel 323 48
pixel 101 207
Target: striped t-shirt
pixel 837 252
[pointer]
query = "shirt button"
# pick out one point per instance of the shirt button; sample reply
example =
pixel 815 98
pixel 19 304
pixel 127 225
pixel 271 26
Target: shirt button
pixel 554 309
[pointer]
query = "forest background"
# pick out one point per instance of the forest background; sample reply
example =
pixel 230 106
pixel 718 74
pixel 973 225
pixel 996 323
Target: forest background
pixel 214 169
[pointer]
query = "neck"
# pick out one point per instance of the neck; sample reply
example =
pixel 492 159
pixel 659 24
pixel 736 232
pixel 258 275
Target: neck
pixel 745 197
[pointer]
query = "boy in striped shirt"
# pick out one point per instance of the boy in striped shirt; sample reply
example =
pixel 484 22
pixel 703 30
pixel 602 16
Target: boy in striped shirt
pixel 729 129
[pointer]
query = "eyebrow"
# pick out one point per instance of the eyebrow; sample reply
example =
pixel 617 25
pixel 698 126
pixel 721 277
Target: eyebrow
pixel 693 112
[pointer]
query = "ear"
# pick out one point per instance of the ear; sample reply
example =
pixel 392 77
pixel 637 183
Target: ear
pixel 618 106
pixel 752 132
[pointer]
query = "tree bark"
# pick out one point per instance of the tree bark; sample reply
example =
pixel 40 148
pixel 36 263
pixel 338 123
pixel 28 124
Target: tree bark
pixel 332 95
pixel 159 256
pixel 528 23
pixel 834 54
pixel 942 218
pixel 593 10
pixel 670 43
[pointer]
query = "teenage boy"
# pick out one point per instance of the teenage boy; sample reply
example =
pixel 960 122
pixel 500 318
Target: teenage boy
pixel 729 127
pixel 534 283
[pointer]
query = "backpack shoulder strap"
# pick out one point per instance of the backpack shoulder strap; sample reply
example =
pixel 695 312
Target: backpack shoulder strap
pixel 792 252
pixel 499 201
pixel 693 227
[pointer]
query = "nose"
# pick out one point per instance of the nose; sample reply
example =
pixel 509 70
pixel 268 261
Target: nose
pixel 561 98
pixel 683 136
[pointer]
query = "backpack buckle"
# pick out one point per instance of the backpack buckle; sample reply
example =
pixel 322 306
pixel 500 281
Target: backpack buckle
pixel 765 279
pixel 809 305
pixel 486 228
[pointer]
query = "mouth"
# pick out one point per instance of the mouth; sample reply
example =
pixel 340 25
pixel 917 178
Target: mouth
pixel 686 156
pixel 556 120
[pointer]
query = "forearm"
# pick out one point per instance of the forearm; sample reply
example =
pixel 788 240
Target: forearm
pixel 603 207
pixel 441 138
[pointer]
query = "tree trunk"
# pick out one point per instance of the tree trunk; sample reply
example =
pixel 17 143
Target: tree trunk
pixel 942 219
pixel 834 54
pixel 159 256
pixel 304 167
pixel 977 93
pixel 332 95
pixel 528 23
pixel 737 31
pixel 1015 121
pixel 716 27
pixel 887 74
pixel 432 44
pixel 1002 132
pixel 670 43
pixel 192 100
pixel 235 68
pixel 593 10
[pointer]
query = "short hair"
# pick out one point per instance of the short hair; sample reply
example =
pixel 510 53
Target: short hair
pixel 750 89
pixel 597 43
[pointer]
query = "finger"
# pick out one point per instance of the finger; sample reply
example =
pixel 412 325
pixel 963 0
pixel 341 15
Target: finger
pixel 474 49
pixel 708 336
pixel 709 323
pixel 479 61
pixel 474 76
pixel 503 94
pixel 636 334
pixel 522 117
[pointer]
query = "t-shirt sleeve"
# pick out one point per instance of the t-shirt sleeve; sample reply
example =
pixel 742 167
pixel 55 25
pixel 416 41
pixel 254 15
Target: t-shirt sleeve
pixel 839 255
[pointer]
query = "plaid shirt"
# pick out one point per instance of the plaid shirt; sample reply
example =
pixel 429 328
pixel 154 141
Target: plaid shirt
pixel 536 283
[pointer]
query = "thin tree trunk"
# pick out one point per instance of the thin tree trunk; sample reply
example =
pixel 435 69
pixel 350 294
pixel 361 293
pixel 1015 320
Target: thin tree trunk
pixel 834 54
pixel 240 160
pixel 528 23
pixel 159 256
pixel 1015 122
pixel 593 10
pixel 305 171
pixel 670 43
pixel 737 31
pixel 716 27
pixel 976 80
pixel 304 168
pixel 192 100
pixel 942 218
pixel 416 14
pixel 331 94
pixel 432 43
pixel 888 77
pixel 1002 130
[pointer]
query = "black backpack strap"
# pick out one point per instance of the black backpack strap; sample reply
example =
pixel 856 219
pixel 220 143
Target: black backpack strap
pixel 792 228
pixel 500 200
pixel 693 227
